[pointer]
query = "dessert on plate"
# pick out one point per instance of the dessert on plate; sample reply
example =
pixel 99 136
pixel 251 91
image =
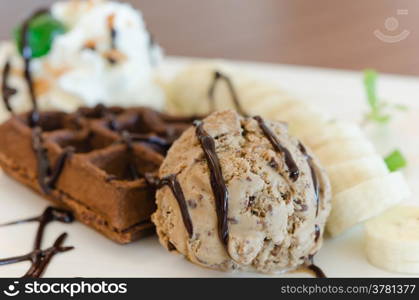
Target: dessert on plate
pixel 235 174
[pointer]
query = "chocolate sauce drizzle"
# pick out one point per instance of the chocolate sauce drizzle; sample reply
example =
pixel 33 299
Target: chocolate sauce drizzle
pixel 316 184
pixel 47 177
pixel 6 90
pixel 162 144
pixel 96 112
pixel 317 233
pixel 317 271
pixel 174 185
pixel 100 111
pixel 112 31
pixel 41 258
pixel 211 91
pixel 112 36
pixel 132 169
pixel 111 122
pixel 162 125
pixel 129 139
pixel 159 144
pixel 289 161
pixel 151 45
pixel 314 268
pixel 216 178
pixel 27 57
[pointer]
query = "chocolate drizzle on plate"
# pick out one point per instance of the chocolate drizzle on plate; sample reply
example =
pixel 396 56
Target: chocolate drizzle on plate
pixel 317 271
pixel 27 58
pixel 310 266
pixel 174 185
pixel 313 176
pixel 218 184
pixel 211 91
pixel 289 161
pixel 41 258
pixel 6 90
pixel 47 176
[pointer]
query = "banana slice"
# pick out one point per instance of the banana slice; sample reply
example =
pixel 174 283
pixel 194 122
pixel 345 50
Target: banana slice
pixel 257 90
pixel 392 240
pixel 294 109
pixel 344 150
pixel 270 106
pixel 301 115
pixel 188 91
pixel 348 174
pixel 331 132
pixel 365 201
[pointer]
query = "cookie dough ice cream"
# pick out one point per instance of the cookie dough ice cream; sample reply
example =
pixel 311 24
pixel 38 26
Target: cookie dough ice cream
pixel 104 54
pixel 240 193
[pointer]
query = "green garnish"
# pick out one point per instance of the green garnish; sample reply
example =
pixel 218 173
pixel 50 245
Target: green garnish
pixel 41 33
pixel 378 107
pixel 395 161
pixel 401 107
pixel 370 79
pixel 376 114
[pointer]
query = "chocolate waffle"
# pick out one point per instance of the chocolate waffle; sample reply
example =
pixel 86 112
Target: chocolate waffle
pixel 93 162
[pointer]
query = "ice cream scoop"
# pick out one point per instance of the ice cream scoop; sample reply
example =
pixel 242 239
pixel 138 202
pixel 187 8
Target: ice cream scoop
pixel 240 193
pixel 100 52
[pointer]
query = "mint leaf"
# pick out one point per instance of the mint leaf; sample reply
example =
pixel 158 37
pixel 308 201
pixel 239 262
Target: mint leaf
pixel 377 117
pixel 41 33
pixel 395 161
pixel 401 107
pixel 378 109
pixel 370 80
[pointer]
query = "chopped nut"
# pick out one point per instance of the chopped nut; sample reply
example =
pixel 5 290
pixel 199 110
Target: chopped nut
pixel 114 56
pixel 192 203
pixel 232 220
pixel 273 164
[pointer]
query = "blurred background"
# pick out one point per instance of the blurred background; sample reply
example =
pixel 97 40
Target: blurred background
pixel 355 34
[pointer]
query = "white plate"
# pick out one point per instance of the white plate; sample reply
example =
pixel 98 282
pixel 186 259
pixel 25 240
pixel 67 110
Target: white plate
pixel 96 256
